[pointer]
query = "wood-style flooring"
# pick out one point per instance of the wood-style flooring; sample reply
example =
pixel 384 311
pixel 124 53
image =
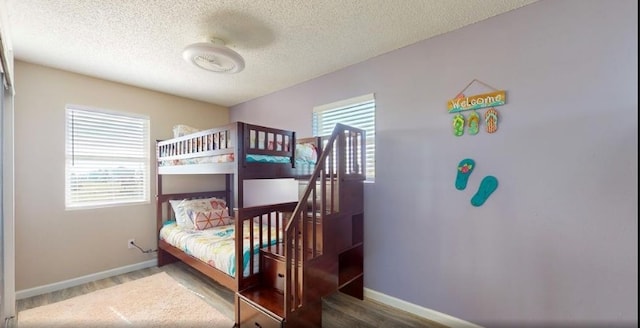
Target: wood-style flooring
pixel 338 310
pixel 213 293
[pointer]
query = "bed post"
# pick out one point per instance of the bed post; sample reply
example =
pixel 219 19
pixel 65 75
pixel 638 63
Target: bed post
pixel 242 136
pixel 229 187
pixel 158 176
pixel 158 193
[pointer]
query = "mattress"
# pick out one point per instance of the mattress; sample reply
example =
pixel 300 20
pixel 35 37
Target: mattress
pixel 216 246
pixel 227 158
pixel 305 158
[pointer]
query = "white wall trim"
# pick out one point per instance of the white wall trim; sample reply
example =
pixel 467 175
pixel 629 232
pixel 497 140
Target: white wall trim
pixel 84 279
pixel 433 315
pixel 8 299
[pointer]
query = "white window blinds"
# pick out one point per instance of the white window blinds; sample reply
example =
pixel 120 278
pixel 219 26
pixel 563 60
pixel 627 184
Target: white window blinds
pixel 107 158
pixel 359 112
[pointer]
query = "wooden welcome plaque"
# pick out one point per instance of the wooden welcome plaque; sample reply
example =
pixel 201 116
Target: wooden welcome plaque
pixel 492 99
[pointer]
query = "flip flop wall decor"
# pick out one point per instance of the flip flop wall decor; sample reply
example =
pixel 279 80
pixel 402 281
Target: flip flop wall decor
pixel 491 120
pixel 487 186
pixel 473 123
pixel 465 167
pixel 458 125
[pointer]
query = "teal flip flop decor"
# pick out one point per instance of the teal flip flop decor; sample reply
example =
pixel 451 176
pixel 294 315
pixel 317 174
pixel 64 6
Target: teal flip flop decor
pixel 487 186
pixel 465 168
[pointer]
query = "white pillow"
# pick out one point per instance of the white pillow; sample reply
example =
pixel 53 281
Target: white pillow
pixel 182 130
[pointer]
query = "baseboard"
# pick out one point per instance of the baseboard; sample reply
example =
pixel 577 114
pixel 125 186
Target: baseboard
pixel 84 279
pixel 433 315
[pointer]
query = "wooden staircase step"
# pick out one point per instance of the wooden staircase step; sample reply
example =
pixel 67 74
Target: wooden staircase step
pixel 277 251
pixel 266 298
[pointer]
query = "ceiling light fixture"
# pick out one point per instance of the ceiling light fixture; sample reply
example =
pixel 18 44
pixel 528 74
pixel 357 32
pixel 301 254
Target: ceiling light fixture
pixel 214 56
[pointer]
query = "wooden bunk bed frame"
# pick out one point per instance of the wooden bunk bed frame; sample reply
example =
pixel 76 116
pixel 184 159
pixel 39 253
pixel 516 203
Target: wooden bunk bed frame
pixel 321 248
pixel 238 140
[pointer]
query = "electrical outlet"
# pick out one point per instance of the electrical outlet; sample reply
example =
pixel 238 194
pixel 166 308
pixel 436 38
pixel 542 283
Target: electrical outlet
pixel 130 243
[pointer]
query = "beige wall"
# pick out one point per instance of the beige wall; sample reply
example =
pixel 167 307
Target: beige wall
pixel 54 244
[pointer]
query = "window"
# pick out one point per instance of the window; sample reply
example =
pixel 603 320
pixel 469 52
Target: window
pixel 107 158
pixel 358 112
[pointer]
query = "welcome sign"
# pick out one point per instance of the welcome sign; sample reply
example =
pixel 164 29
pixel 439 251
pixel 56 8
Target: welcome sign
pixel 492 99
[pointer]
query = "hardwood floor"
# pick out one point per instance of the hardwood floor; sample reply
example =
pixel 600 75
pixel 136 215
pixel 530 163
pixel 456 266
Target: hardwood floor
pixel 338 310
pixel 343 311
pixel 213 293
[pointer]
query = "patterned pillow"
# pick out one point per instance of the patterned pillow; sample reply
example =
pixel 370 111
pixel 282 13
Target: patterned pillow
pixel 182 208
pixel 217 204
pixel 209 219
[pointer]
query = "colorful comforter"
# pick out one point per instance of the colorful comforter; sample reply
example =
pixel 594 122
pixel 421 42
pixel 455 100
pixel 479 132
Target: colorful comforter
pixel 216 246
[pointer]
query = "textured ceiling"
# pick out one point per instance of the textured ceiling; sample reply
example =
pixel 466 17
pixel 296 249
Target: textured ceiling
pixel 283 42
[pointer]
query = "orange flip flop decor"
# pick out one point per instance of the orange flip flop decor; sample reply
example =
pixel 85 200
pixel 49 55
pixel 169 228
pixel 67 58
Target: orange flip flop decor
pixel 491 120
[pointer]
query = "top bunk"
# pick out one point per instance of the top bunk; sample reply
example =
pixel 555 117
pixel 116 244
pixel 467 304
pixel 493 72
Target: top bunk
pixel 246 150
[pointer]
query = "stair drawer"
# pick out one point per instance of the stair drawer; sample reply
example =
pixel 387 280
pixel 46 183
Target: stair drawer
pixel 273 272
pixel 252 317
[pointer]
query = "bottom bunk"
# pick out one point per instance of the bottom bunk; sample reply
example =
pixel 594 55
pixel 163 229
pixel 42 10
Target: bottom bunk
pixel 195 228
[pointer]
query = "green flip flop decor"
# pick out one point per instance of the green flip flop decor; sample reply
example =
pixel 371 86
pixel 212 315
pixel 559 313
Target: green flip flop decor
pixel 458 125
pixel 474 123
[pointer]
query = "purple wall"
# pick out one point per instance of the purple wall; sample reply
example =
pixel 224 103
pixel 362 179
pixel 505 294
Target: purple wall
pixel 557 242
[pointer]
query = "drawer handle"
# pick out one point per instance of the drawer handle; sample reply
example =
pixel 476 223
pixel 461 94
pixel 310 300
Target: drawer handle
pixel 258 325
pixel 280 275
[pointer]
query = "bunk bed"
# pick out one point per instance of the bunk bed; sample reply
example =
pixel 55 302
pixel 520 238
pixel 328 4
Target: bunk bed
pixel 290 254
pixel 240 151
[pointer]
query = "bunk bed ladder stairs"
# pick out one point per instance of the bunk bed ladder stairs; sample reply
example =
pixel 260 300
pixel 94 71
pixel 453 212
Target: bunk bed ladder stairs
pixel 322 250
